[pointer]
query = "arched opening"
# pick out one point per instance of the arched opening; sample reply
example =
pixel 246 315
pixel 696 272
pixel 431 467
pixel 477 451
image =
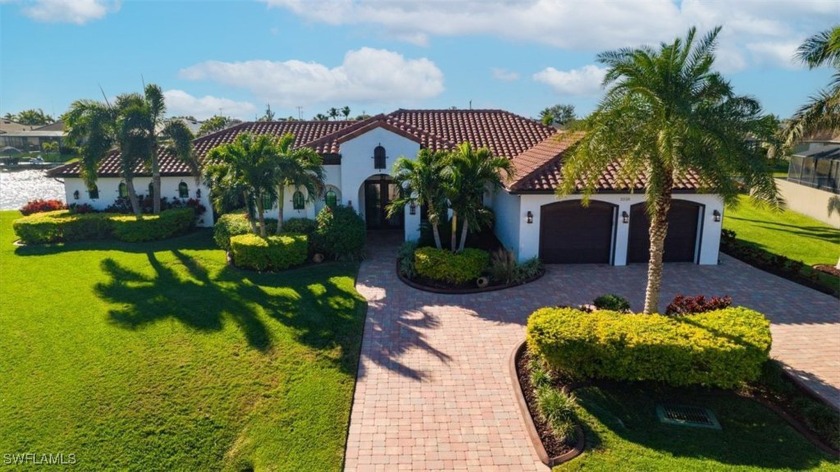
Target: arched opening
pixel 183 190
pixel 122 190
pixel 298 202
pixel 681 240
pixel 573 234
pixel 379 191
pixel 93 192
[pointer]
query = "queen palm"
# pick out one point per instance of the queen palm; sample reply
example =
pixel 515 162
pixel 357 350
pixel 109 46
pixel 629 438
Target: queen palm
pixel 247 165
pixel 822 112
pixel 470 173
pixel 420 183
pixel 299 168
pixel 667 113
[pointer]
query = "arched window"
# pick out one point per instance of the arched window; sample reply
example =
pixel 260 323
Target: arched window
pixel 266 201
pixel 93 192
pixel 379 157
pixel 122 190
pixel 151 190
pixel 331 198
pixel 298 202
pixel 183 190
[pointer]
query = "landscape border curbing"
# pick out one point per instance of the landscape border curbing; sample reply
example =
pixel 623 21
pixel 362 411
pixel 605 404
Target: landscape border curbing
pixel 533 435
pixel 462 291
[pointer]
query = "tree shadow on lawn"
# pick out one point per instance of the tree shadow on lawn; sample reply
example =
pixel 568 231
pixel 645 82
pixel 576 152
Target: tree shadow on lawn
pixel 751 435
pixel 816 232
pixel 201 239
pixel 321 314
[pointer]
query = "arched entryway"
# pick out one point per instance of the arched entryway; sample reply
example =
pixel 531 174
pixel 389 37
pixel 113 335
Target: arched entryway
pixel 681 242
pixel 377 193
pixel 573 234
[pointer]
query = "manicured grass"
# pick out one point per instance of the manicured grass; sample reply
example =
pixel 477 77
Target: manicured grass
pixel 158 356
pixel 786 233
pixel 624 433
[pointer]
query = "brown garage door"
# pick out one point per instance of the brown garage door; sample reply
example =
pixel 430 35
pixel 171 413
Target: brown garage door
pixel 572 234
pixel 681 241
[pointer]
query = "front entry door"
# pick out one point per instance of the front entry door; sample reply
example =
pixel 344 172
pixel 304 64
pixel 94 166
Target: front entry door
pixel 378 194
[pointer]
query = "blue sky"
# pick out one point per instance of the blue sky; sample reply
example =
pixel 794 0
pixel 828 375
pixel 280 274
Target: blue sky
pixel 379 55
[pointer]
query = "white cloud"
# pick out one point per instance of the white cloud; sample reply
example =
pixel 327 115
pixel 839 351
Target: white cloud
pixel 179 102
pixel 69 11
pixel 775 53
pixel 594 25
pixel 585 81
pixel 504 75
pixel 365 75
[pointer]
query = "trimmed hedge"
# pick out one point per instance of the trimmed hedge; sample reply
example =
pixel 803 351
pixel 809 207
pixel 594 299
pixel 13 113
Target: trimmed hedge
pixel 62 226
pixel 341 233
pixel 232 224
pixel 445 266
pixel 722 348
pixel 153 227
pixel 272 253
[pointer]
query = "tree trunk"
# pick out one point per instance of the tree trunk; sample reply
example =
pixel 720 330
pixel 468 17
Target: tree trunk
pixel 436 233
pixel 132 198
pixel 464 231
pixel 260 214
pixel 657 232
pixel 248 212
pixel 281 195
pixel 453 238
pixel 155 196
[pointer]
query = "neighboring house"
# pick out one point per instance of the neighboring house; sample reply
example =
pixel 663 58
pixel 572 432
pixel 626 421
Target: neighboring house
pixel 813 183
pixel 530 219
pixel 29 138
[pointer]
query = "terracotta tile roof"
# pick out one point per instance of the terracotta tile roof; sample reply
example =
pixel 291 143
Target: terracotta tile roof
pixel 539 170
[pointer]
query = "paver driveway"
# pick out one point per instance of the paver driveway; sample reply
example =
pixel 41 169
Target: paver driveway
pixel 433 389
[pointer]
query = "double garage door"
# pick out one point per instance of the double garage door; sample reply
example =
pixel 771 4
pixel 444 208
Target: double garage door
pixel 573 234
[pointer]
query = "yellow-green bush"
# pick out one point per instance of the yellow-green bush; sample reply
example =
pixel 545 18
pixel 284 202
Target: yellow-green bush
pixel 251 251
pixel 720 348
pixel 56 226
pixel 153 227
pixel 446 266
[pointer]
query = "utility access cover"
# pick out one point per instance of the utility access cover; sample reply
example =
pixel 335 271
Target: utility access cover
pixel 685 415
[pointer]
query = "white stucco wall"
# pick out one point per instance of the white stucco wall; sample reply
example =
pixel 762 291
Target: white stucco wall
pixel 816 203
pixel 109 191
pixel 506 208
pixel 529 234
pixel 357 166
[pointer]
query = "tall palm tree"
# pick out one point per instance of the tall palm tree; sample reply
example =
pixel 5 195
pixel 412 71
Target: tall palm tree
pixel 822 112
pixel 346 112
pixel 420 183
pixel 471 172
pixel 667 113
pixel 248 164
pixel 299 168
pixel 333 112
pixel 97 128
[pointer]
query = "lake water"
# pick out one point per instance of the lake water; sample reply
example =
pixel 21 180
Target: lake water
pixel 20 186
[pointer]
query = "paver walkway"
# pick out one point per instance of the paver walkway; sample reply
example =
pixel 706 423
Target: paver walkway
pixel 433 390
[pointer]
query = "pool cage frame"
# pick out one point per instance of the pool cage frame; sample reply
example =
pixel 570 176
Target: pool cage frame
pixel 819 169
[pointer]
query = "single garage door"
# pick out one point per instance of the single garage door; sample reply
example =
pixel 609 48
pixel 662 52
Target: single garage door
pixel 681 240
pixel 573 234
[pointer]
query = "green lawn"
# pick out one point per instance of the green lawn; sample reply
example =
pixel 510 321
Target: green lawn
pixel 624 433
pixel 158 356
pixel 786 233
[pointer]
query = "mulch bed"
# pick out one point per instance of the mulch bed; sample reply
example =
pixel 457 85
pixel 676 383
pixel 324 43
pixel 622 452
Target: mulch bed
pixel 828 269
pixel 435 286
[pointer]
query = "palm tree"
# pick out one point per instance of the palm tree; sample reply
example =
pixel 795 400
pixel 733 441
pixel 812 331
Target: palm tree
pixel 666 114
pixel 346 112
pixel 97 128
pixel 321 117
pixel 297 168
pixel 821 113
pixel 471 171
pixel 420 183
pixel 248 164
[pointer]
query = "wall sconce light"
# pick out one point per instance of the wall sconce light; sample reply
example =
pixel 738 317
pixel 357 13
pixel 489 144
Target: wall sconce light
pixel 716 215
pixel 529 217
pixel 198 193
pixel 625 217
pixel 75 195
pixel 412 209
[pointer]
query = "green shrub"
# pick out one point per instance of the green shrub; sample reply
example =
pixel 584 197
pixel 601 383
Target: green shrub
pixel 720 348
pixel 527 270
pixel 612 302
pixel 446 266
pixel 251 251
pixel 341 232
pixel 58 226
pixel 233 224
pixel 153 227
pixel 558 410
pixel 406 258
pixel 300 226
pixel 502 266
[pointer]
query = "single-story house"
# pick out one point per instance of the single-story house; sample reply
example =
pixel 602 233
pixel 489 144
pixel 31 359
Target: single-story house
pixel 530 219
